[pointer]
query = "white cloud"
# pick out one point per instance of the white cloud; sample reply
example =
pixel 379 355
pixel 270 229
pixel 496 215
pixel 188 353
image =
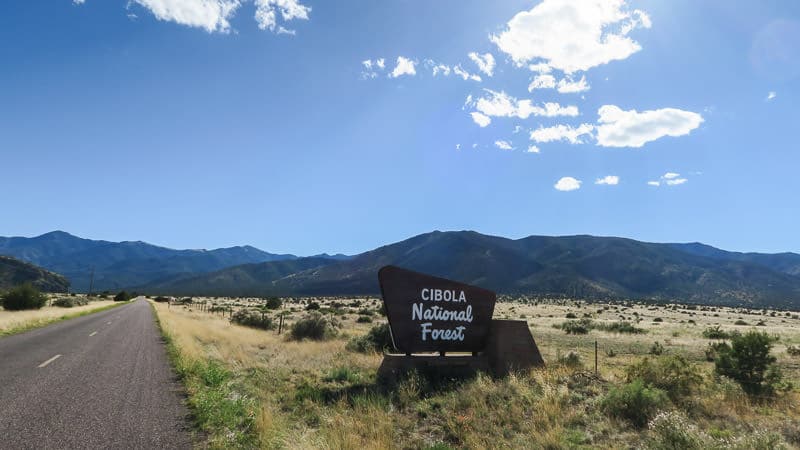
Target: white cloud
pixel 500 104
pixel 210 15
pixel 569 86
pixel 458 146
pixel 503 145
pixel 544 81
pixel 480 119
pixel 78 2
pixel 771 95
pixel 572 35
pixel 540 68
pixel 441 68
pixel 533 149
pixel 668 179
pixel 464 74
pixel 267 12
pixel 484 62
pixel 404 66
pixel 467 102
pixel 567 184
pixel 381 63
pixel 611 180
pixel 574 135
pixel 618 128
pixel 676 181
pixel 214 15
pixel 367 63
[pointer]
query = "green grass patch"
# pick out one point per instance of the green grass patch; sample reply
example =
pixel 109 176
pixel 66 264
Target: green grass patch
pixel 219 406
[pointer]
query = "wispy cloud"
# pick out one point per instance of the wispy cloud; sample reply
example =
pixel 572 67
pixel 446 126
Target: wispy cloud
pixel 484 62
pixel 611 180
pixel 668 179
pixel 503 145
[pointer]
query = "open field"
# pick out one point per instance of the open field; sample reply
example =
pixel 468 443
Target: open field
pixel 12 322
pixel 254 388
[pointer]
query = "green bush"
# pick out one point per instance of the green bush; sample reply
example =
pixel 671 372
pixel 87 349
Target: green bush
pixel 161 299
pixel 252 318
pixel 576 326
pixel 793 351
pixel 69 302
pixel 673 374
pixel 24 296
pixel 657 348
pixel 571 359
pixel 313 306
pixel 747 360
pixel 364 319
pixel 378 339
pixel 621 327
pixel 315 326
pixel 122 297
pixel 634 402
pixel 274 303
pixel 716 332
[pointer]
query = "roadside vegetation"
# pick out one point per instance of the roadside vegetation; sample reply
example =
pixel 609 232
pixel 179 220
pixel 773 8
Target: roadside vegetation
pixel 315 386
pixel 14 322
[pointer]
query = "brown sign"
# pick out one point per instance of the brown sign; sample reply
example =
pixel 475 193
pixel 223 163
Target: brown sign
pixel 431 314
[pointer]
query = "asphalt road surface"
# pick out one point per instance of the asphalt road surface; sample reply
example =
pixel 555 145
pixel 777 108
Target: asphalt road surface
pixel 100 381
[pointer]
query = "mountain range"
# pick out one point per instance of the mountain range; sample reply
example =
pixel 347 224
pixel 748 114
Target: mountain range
pixel 14 272
pixel 117 265
pixel 588 267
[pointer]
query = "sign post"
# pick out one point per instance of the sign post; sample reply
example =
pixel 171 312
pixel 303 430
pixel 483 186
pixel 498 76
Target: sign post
pixel 430 315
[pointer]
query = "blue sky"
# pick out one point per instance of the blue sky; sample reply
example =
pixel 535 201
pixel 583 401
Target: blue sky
pixel 202 124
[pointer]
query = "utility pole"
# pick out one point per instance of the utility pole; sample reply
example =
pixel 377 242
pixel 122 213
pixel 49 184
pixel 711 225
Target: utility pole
pixel 91 282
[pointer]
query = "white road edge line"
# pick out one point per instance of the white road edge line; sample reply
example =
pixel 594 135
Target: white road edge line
pixel 93 333
pixel 49 361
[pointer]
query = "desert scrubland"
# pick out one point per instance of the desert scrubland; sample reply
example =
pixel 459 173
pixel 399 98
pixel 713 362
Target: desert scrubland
pixel 656 384
pixel 12 322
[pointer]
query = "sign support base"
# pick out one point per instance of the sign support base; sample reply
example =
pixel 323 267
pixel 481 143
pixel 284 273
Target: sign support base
pixel 510 347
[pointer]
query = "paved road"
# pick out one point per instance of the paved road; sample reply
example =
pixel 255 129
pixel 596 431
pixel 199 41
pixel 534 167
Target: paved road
pixel 100 381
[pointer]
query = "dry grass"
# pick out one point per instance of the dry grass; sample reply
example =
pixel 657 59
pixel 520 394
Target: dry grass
pixel 23 320
pixel 319 395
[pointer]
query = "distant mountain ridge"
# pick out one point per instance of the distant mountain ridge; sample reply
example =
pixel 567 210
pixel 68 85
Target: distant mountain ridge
pixel 14 272
pixel 122 264
pixel 575 266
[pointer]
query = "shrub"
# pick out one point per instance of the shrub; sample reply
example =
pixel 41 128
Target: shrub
pixel 378 339
pixel 748 361
pixel 252 318
pixel 364 319
pixel 571 359
pixel 657 348
pixel 740 322
pixel 122 297
pixel 713 350
pixel 634 402
pixel 161 299
pixel 673 374
pixel 69 302
pixel 315 326
pixel 576 326
pixel 24 296
pixel 571 316
pixel 313 306
pixel 793 351
pixel 621 327
pixel 716 332
pixel 274 303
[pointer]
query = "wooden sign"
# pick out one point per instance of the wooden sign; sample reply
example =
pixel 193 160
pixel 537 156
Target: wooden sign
pixel 431 314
